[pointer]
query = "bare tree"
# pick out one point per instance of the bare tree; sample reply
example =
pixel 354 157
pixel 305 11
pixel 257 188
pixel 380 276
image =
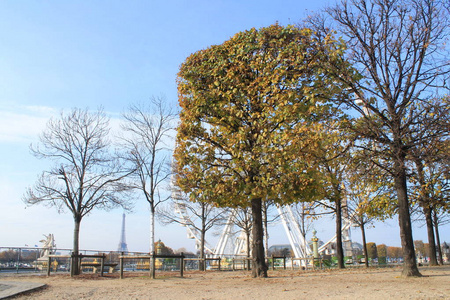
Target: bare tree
pixel 398 48
pixel 268 218
pixel 338 207
pixel 305 213
pixel 243 220
pixel 148 129
pixel 200 217
pixel 85 175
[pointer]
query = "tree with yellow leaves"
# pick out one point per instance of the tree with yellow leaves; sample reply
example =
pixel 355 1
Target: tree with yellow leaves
pixel 248 106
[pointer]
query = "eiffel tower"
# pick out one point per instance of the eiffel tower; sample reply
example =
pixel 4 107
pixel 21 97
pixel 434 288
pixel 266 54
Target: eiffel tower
pixel 123 242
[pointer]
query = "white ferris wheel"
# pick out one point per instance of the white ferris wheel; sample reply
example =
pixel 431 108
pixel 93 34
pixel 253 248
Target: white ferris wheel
pixel 233 242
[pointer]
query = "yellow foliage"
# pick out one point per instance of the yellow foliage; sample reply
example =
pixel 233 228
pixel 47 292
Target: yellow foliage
pixel 248 107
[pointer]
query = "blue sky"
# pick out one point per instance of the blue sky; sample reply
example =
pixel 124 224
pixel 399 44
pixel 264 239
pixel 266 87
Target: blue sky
pixel 57 55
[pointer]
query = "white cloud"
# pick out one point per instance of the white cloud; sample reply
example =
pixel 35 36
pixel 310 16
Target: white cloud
pixel 23 124
pixel 42 110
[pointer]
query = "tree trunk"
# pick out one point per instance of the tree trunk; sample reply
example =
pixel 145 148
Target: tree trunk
pixel 366 254
pixel 425 202
pixel 152 235
pixel 249 251
pixel 431 240
pixel 266 232
pixel 339 249
pixel 259 267
pixel 152 231
pixel 304 228
pixel 202 262
pixel 404 220
pixel 76 246
pixel 438 239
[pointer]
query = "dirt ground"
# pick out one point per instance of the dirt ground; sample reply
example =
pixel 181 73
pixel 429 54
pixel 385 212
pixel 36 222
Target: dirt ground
pixel 371 283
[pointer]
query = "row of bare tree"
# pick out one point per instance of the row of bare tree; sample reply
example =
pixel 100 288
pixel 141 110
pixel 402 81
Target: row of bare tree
pixel 91 172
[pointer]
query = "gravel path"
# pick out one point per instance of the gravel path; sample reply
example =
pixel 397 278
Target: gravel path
pixel 331 284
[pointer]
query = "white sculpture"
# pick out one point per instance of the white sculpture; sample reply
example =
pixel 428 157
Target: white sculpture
pixel 48 244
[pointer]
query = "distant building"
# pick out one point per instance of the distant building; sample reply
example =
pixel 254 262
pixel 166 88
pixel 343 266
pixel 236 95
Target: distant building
pixel 286 249
pixel 280 250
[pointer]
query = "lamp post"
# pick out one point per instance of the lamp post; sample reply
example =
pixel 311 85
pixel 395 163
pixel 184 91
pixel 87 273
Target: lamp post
pixel 315 241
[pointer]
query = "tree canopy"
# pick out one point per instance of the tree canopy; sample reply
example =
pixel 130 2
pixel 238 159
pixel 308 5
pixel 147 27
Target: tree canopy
pixel 248 107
